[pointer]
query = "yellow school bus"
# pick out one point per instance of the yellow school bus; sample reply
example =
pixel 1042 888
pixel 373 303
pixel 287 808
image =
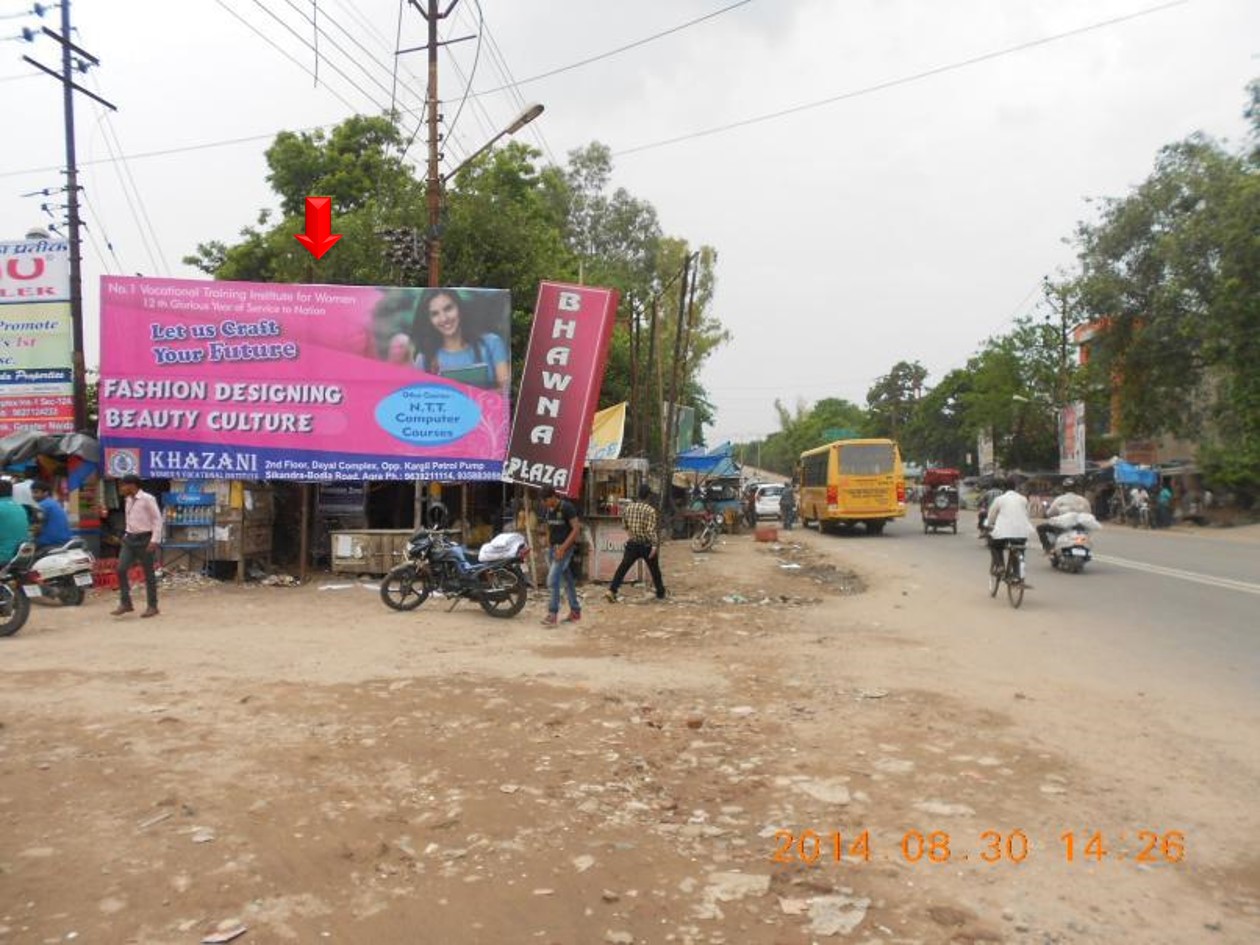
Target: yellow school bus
pixel 852 481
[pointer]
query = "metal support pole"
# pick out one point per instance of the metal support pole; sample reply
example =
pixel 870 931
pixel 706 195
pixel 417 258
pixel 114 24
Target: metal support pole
pixel 304 541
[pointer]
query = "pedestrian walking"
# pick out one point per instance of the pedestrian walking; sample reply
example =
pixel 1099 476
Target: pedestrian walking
pixel 563 530
pixel 787 505
pixel 643 543
pixel 140 543
pixel 1163 508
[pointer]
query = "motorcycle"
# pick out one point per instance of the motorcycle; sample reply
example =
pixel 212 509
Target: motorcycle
pixel 706 535
pixel 15 603
pixel 62 573
pixel 1071 550
pixel 437 565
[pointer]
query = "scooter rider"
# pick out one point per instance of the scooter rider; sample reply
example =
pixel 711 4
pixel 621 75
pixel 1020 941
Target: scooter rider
pixel 1008 523
pixel 54 526
pixel 1066 501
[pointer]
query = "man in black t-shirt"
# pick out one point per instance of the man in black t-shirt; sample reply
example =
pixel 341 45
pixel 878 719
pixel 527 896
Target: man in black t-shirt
pixel 563 530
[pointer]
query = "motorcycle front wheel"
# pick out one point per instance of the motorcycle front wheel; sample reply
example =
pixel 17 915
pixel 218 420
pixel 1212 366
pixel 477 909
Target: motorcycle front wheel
pixel 503 593
pixel 402 588
pixel 704 539
pixel 15 607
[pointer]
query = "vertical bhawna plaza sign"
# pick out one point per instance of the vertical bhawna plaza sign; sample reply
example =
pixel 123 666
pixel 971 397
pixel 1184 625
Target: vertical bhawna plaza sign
pixel 564 368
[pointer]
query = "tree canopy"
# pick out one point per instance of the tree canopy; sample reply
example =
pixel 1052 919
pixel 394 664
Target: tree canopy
pixel 509 222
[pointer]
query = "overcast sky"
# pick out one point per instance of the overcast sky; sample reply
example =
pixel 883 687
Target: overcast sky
pixel 909 218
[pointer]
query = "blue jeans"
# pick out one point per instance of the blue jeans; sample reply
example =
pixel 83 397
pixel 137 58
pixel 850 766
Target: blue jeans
pixel 557 571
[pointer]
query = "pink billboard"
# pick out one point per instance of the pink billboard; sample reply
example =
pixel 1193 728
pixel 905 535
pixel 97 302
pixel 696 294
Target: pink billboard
pixel 560 382
pixel 242 380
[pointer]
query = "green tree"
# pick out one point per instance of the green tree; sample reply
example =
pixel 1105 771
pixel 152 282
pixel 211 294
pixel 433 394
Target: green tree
pixel 939 432
pixel 1171 273
pixel 1013 381
pixel 371 190
pixel 508 222
pixel 890 401
pixel 801 428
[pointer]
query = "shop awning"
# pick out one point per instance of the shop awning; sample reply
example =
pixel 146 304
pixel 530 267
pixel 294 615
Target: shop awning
pixel 24 445
pixel 699 459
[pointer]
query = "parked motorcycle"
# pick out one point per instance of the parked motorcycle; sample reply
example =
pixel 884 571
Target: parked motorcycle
pixel 62 574
pixel 15 605
pixel 1072 550
pixel 706 535
pixel 435 564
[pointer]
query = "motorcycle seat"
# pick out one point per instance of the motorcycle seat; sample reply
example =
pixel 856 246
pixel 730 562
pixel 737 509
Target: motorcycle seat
pixel 74 544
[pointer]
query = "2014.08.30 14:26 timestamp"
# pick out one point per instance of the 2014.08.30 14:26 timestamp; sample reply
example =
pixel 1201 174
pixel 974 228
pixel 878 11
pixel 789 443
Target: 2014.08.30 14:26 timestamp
pixel 988 846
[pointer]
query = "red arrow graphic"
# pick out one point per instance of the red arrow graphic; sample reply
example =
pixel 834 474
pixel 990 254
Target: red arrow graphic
pixel 317 238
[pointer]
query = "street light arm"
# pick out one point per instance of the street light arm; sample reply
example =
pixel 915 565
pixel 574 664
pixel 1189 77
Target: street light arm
pixel 521 120
pixel 472 157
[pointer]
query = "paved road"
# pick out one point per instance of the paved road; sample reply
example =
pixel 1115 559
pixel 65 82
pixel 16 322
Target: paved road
pixel 1161 608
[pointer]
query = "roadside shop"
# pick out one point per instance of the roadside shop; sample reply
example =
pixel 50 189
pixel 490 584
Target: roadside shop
pixel 70 464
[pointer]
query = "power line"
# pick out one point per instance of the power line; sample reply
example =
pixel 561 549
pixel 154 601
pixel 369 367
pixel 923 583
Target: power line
pixel 383 40
pixel 619 49
pixel 904 80
pixel 471 72
pixel 274 45
pixel 498 59
pixel 393 92
pixel 486 124
pixel 163 152
pixel 354 59
pixel 104 235
pixel 141 217
pixel 271 13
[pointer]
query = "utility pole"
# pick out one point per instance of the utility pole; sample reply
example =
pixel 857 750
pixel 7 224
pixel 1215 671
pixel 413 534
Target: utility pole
pixel 680 338
pixel 433 177
pixel 1060 294
pixel 646 421
pixel 634 371
pixel 72 204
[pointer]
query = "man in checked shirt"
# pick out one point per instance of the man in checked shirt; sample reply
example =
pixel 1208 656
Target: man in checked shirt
pixel 643 541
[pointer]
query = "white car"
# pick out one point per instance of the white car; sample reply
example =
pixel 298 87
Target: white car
pixel 768 500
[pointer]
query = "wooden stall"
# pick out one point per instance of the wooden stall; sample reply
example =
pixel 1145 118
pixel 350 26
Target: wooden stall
pixel 609 484
pixel 239 520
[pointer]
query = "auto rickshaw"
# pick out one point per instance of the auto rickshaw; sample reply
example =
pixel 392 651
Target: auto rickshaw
pixel 939 504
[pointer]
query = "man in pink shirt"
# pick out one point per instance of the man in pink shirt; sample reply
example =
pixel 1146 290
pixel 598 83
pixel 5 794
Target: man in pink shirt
pixel 140 543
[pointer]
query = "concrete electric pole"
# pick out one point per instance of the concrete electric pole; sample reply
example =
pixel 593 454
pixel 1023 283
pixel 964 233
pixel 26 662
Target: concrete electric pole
pixel 68 51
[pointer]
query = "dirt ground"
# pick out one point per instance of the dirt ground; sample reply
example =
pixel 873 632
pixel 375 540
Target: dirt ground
pixel 306 765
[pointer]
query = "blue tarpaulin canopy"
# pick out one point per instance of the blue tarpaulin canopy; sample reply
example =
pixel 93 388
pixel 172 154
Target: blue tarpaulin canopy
pixel 1127 474
pixel 699 459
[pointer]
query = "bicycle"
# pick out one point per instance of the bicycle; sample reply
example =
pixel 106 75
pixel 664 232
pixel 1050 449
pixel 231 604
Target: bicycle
pixel 1012 573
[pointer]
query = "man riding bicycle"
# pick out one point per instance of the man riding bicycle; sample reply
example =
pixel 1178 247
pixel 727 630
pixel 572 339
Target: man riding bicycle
pixel 1008 524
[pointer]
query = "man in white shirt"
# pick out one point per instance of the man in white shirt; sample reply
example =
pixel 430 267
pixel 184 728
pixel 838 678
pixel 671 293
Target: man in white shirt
pixel 1009 524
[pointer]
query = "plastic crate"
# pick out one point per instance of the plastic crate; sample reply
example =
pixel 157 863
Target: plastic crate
pixel 105 574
